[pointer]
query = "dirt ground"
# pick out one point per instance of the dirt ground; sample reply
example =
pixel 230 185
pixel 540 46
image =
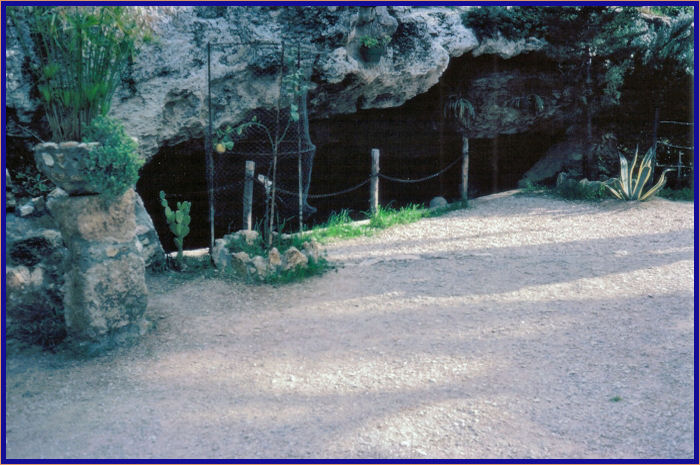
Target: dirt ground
pixel 523 327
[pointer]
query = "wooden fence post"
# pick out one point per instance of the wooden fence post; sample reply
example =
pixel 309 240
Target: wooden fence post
pixel 248 195
pixel 374 183
pixel 464 187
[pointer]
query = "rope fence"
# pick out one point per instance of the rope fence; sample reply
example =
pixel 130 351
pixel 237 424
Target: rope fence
pixel 375 175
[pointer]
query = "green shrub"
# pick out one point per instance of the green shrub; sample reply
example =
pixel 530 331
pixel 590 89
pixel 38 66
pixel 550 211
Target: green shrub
pixel 513 22
pixel 30 183
pixel 80 53
pixel 374 42
pixel 686 194
pixel 113 166
pixel 386 217
pixel 571 189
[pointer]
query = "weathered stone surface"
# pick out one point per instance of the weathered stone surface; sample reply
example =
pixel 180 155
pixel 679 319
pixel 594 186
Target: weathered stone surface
pixel 247 235
pixel 221 255
pixel 152 250
pixel 438 202
pixel 26 209
pixel 93 218
pixel 312 250
pixel 10 201
pixel 104 296
pixel 63 164
pixel 105 291
pixel 239 263
pixel 274 258
pixel 165 101
pixel 505 48
pixel 293 258
pixel 35 275
pixel 259 265
pixel 567 156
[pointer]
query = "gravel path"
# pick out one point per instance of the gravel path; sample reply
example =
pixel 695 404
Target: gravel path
pixel 523 327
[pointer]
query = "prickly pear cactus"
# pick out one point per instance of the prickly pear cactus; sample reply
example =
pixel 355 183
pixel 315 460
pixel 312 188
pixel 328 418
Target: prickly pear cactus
pixel 179 222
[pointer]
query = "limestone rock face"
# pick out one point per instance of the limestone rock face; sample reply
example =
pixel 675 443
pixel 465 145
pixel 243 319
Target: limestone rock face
pixel 152 250
pixel 34 279
pixel 567 156
pixel 164 102
pixel 105 290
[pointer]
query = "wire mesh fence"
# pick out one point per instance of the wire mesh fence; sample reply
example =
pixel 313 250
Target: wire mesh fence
pixel 675 151
pixel 274 135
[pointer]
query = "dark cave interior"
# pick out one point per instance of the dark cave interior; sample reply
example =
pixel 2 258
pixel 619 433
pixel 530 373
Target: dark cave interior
pixel 411 144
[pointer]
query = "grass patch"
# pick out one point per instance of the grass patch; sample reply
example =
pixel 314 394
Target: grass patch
pixel 341 226
pixel 386 217
pixel 684 195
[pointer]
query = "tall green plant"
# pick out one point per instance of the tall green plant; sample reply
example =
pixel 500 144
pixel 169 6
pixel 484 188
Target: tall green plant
pixel 179 222
pixel 81 52
pixel 633 178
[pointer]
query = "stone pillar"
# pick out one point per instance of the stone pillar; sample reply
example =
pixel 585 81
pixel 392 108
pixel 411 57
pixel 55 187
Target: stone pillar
pixel 105 286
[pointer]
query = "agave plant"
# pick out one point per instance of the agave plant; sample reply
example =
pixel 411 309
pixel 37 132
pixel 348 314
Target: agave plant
pixel 630 184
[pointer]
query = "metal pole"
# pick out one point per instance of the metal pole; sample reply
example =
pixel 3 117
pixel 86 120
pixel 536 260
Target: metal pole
pixel 275 148
pixel 209 157
pixel 299 110
pixel 248 195
pixel 374 183
pixel 465 168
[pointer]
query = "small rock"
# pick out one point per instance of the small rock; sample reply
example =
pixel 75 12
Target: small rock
pixel 293 258
pixel 221 255
pixel 249 235
pixel 312 250
pixel 274 258
pixel 561 177
pixel 17 277
pixel 26 209
pixel 239 263
pixel 260 266
pixel 438 202
pixel 39 204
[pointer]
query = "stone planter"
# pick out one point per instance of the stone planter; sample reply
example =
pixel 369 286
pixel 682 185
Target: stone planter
pixel 63 165
pixel 105 284
pixel 371 54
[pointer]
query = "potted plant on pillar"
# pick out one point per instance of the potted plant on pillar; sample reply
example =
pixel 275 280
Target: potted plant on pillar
pixel 372 48
pixel 77 58
pixel 78 54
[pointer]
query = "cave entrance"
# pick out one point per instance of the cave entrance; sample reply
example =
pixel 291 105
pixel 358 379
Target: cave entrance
pixel 412 146
pixel 179 171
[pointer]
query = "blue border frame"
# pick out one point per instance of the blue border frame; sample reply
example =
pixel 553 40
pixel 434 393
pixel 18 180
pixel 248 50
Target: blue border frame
pixel 3 446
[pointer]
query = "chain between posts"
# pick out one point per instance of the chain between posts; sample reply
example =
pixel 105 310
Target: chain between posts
pixel 431 176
